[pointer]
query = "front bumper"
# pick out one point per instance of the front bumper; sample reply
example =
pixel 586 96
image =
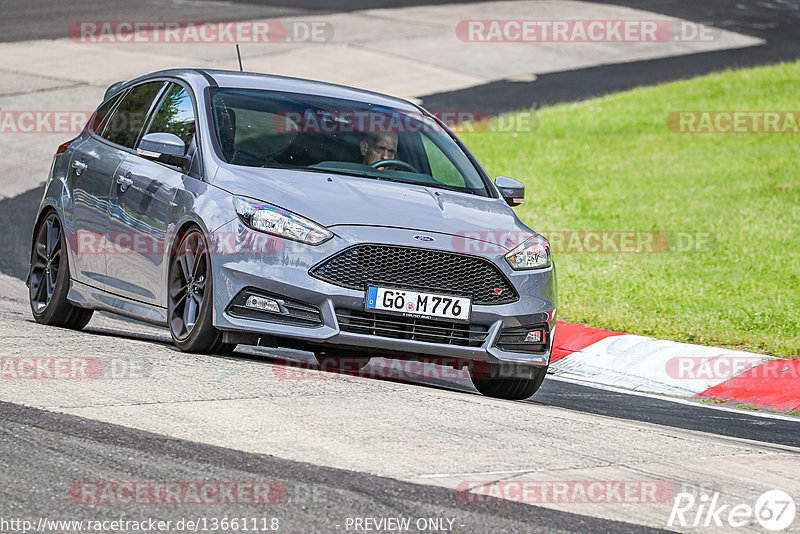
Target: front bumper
pixel 280 268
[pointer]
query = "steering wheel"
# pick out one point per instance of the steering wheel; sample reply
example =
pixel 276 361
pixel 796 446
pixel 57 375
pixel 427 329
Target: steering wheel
pixel 394 163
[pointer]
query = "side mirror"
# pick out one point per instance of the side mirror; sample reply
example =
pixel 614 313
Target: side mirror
pixel 164 147
pixel 512 191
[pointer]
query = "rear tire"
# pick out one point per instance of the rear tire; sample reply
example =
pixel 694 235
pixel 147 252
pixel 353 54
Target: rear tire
pixel 507 381
pixel 190 301
pixel 49 278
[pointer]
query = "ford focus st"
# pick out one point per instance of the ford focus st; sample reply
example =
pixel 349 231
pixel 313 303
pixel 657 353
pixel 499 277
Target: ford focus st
pixel 237 208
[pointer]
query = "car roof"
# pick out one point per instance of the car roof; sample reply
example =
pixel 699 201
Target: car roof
pixel 271 82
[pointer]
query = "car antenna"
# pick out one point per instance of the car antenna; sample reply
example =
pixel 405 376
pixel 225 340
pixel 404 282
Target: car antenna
pixel 239 55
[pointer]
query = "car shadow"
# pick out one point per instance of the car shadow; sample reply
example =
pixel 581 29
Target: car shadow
pixel 296 364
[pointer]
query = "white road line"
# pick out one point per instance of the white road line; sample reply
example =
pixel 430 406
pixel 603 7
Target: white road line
pixel 449 475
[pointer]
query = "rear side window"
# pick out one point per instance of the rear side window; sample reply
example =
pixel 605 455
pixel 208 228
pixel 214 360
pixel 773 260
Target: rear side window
pixel 100 117
pixel 129 117
pixel 175 115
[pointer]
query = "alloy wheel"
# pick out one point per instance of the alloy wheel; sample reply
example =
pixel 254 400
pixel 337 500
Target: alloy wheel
pixel 187 284
pixel 46 263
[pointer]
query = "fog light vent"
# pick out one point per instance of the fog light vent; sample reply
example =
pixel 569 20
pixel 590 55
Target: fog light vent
pixel 534 336
pixel 533 339
pixel 252 303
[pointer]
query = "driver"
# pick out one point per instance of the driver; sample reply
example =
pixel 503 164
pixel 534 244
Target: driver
pixel 378 147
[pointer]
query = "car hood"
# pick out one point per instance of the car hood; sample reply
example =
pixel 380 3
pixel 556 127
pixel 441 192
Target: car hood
pixel 335 200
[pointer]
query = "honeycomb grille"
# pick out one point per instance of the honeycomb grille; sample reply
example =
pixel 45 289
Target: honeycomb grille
pixel 419 269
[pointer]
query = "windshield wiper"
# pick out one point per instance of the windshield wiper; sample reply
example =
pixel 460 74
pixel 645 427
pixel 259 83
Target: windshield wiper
pixel 449 188
pixel 411 182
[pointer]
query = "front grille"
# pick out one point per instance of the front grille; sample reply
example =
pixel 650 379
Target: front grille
pixel 399 327
pixel 419 269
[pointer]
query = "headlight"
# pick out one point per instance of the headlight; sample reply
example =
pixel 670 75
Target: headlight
pixel 274 220
pixel 532 254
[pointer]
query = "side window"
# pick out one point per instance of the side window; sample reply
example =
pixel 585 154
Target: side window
pixel 175 115
pixel 100 117
pixel 442 169
pixel 128 119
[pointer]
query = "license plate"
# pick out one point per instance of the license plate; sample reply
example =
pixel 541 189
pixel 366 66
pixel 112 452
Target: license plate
pixel 418 304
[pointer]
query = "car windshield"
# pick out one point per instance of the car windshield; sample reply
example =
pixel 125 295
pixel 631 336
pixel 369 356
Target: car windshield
pixel 257 128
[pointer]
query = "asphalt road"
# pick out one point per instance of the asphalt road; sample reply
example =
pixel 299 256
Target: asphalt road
pixel 42 454
pixel 777 22
pixel 17 216
pixel 347 446
pixel 22 20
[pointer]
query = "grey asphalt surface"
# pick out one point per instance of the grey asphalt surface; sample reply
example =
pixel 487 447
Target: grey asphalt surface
pixel 22 20
pixel 777 22
pixel 42 454
pixel 654 410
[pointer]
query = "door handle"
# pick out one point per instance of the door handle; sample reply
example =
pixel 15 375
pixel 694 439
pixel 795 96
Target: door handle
pixel 124 181
pixel 79 167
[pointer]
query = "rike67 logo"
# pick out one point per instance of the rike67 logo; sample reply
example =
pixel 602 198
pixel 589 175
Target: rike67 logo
pixel 774 510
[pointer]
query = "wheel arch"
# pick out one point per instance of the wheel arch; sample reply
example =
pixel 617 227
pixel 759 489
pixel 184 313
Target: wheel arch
pixel 181 227
pixel 184 226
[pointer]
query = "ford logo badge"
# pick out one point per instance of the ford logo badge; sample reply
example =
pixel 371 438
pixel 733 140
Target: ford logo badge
pixel 425 238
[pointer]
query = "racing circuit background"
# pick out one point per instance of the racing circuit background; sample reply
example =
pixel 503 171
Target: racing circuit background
pixel 310 451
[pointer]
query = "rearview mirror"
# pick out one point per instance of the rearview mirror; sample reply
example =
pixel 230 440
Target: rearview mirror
pixel 164 147
pixel 512 191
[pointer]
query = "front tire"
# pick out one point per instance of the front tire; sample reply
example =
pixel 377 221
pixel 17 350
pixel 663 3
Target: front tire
pixel 49 278
pixel 190 302
pixel 507 381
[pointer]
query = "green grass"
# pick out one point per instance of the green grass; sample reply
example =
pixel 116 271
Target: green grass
pixel 611 163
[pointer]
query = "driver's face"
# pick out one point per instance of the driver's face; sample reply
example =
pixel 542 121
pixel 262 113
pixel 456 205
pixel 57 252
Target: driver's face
pixel 384 148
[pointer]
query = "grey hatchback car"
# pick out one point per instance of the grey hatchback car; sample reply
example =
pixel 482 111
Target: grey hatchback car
pixel 240 208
